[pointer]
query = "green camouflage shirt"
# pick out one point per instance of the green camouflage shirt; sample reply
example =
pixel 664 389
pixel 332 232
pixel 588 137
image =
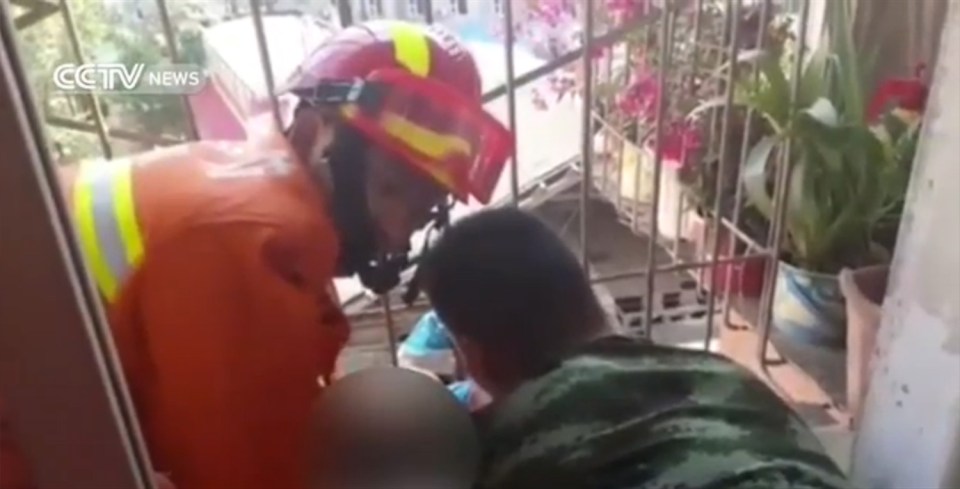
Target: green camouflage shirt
pixel 622 414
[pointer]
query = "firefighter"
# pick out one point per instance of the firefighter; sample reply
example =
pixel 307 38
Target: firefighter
pixel 215 260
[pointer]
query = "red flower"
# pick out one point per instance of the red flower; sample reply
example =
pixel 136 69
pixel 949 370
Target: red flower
pixel 641 96
pixel 681 140
pixel 599 52
pixel 551 12
pixel 899 93
pixel 625 10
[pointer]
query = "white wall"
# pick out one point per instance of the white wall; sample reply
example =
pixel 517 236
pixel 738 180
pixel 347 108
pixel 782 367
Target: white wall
pixel 911 425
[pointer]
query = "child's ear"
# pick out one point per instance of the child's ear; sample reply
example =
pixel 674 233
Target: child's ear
pixel 475 362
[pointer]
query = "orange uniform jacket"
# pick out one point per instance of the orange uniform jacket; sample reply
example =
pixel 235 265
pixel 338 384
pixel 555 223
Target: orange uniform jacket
pixel 224 320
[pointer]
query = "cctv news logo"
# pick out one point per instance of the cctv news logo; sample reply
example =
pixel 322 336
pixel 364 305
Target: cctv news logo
pixel 135 78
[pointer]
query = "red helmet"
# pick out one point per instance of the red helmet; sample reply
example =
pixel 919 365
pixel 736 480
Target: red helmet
pixel 416 91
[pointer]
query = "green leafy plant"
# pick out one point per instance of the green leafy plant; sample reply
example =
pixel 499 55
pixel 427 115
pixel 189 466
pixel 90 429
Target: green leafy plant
pixel 847 178
pixel 899 137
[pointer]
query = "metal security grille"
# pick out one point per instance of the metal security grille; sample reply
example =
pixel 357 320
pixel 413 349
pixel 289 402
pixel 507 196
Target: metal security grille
pixel 622 160
pixel 616 163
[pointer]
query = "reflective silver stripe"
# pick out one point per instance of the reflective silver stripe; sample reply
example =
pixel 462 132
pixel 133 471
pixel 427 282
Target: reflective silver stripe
pixel 100 178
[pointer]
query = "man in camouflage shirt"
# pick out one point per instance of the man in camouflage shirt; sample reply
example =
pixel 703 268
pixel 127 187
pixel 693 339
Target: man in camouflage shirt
pixel 575 406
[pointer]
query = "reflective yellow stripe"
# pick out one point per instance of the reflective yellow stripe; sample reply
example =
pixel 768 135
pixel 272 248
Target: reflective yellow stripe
pixel 411 47
pixel 106 221
pixel 426 142
pixel 85 217
pixel 125 213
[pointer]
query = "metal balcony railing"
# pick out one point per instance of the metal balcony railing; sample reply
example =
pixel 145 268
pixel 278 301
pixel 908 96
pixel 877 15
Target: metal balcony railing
pixel 606 143
pixel 602 173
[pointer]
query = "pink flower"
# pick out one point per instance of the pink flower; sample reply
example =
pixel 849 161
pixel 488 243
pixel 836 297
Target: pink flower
pixel 681 141
pixel 554 13
pixel 640 98
pixel 599 52
pixel 624 10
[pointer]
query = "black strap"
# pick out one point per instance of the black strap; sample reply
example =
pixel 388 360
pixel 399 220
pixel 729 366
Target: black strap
pixel 369 96
pixel 441 219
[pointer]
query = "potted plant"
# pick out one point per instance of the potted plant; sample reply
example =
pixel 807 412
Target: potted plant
pixel 847 182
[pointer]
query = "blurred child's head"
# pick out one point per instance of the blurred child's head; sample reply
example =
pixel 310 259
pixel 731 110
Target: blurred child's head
pixel 513 296
pixel 390 428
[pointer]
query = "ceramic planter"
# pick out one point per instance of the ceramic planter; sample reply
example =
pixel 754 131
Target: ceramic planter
pixel 809 307
pixel 863 290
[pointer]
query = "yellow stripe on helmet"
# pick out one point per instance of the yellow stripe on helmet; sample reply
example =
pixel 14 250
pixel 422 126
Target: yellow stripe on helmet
pixel 429 143
pixel 411 47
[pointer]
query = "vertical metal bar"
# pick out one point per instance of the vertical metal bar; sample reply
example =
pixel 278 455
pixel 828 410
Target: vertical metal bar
pixel 624 147
pixel 621 146
pixel 77 48
pixel 694 73
pixel 676 227
pixel 695 53
pixel 744 150
pixel 345 12
pixel 734 48
pixel 607 124
pixel 587 157
pixel 391 328
pixel 638 147
pixel 728 26
pixel 511 100
pixel 784 174
pixel 265 61
pixel 428 11
pixel 666 37
pixel 171 37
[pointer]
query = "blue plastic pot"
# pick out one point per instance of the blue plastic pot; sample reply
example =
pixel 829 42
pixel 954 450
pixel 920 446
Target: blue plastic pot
pixel 809 307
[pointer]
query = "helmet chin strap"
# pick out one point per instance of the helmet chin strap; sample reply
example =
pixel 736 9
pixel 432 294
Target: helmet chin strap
pixel 351 215
pixel 440 221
